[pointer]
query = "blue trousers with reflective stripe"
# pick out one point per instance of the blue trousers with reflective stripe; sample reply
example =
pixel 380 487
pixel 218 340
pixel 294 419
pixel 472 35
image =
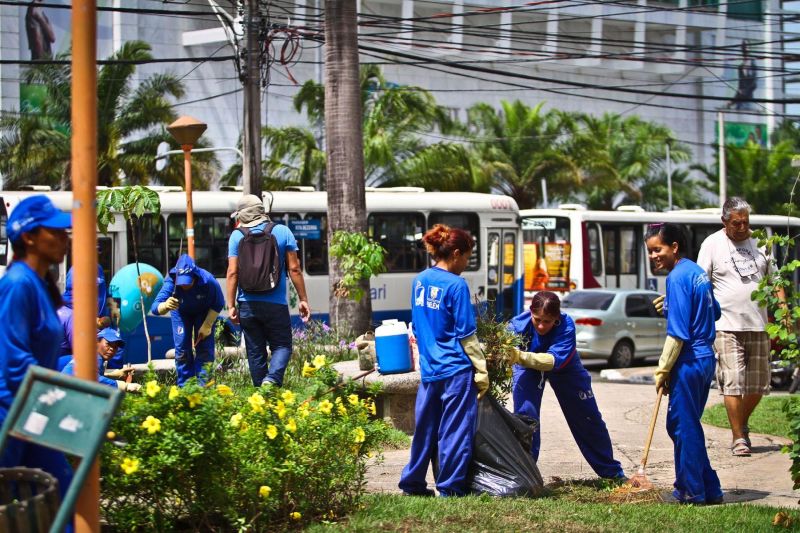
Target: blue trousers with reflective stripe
pixel 189 360
pixel 695 480
pixel 447 414
pixel 572 386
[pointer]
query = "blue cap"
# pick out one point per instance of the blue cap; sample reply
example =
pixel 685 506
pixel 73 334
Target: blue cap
pixel 35 212
pixel 111 335
pixel 184 270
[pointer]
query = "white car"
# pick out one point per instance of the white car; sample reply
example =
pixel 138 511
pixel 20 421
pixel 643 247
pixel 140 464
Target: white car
pixel 616 324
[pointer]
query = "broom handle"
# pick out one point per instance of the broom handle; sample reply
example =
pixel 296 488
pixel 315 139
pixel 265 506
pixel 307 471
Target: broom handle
pixel 652 428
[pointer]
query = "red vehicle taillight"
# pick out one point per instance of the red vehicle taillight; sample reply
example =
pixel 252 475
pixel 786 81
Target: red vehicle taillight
pixel 589 322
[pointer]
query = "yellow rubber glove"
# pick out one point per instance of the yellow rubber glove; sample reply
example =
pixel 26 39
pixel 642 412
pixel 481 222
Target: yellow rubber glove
pixel 208 323
pixel 473 349
pixel 128 387
pixel 171 304
pixel 113 310
pixel 538 361
pixel 670 353
pixel 659 304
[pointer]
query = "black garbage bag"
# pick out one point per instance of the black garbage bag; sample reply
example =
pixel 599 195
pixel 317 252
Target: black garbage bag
pixel 502 464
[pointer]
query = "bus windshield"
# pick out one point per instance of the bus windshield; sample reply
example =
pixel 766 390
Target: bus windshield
pixel 547 251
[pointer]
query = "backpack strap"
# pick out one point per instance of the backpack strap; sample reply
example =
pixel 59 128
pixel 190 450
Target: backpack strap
pixel 268 228
pixel 243 230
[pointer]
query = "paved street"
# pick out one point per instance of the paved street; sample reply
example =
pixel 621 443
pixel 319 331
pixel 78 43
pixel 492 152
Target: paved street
pixel 762 478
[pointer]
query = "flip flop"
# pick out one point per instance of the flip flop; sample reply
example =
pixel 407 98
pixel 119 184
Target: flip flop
pixel 739 448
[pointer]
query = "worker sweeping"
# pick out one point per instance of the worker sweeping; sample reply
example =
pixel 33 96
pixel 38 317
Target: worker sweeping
pixel 108 344
pixel 551 355
pixel 194 299
pixel 687 361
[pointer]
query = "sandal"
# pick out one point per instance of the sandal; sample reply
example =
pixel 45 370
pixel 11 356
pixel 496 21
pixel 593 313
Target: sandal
pixel 739 448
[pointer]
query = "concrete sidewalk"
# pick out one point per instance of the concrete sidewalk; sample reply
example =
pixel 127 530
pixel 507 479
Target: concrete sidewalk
pixel 761 478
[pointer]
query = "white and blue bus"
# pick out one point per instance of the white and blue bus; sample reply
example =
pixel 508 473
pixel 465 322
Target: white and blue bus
pixel 397 219
pixel 574 248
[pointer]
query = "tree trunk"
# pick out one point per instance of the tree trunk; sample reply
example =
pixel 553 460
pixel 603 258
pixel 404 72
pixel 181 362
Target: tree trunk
pixel 347 208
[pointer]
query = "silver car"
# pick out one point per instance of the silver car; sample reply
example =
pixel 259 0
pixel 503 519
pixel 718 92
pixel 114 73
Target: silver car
pixel 616 324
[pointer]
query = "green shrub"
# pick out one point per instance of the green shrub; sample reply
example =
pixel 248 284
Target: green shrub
pixel 498 345
pixel 217 458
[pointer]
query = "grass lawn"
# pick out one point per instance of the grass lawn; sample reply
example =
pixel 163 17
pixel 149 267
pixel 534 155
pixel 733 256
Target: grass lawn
pixel 768 417
pixel 584 509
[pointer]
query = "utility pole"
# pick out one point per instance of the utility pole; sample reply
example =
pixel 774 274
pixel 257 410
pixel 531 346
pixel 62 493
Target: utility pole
pixel 723 176
pixel 251 164
pixel 669 179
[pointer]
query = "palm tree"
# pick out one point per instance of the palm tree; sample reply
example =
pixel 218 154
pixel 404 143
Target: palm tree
pixel 347 207
pixel 687 190
pixel 519 146
pixel 617 154
pixel 35 146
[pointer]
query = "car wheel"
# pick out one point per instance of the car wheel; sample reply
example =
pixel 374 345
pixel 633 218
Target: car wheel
pixel 621 355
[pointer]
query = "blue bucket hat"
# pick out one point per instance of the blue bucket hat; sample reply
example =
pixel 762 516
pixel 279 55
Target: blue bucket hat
pixel 111 335
pixel 35 212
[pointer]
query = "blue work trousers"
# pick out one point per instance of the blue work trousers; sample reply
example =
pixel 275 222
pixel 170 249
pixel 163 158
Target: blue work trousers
pixel 695 480
pixel 266 324
pixel 446 417
pixel 189 360
pixel 572 386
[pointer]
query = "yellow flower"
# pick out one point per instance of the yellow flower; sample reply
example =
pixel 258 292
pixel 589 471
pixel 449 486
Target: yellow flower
pixel 353 399
pixel 256 402
pixel 194 399
pixel 291 426
pixel 174 392
pixel 111 435
pixel 295 516
pixel 264 491
pixel 319 361
pixel 371 407
pixel 303 411
pixel 129 466
pixel 288 397
pixel 224 390
pixel 152 424
pixel 280 409
pixel 236 420
pixel 341 409
pixel 272 431
pixel 152 388
pixel 308 370
pixel 358 435
pixel 325 407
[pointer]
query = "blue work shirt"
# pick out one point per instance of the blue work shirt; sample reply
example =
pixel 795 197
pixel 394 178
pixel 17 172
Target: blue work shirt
pixel 442 315
pixel 69 368
pixel 102 292
pixel 286 243
pixel 559 342
pixel 66 319
pixel 691 310
pixel 30 333
pixel 205 294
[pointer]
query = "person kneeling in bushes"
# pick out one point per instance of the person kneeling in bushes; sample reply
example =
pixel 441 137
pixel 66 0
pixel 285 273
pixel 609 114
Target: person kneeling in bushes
pixel 108 343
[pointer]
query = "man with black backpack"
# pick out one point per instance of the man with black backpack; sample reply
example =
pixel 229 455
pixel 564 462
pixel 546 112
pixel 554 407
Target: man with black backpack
pixel 260 255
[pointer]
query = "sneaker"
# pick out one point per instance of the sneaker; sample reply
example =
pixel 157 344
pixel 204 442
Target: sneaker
pixel 427 493
pixel 267 384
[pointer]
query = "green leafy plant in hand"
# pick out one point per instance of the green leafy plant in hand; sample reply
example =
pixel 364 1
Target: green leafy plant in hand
pixel 359 257
pixel 499 344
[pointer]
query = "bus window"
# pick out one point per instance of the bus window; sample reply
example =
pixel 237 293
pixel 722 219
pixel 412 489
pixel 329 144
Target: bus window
pixel 105 256
pixel 399 234
pixel 4 244
pixel 546 247
pixel 211 234
pixel 285 218
pixel 315 251
pixel 697 234
pixel 595 250
pixel 149 231
pixel 466 221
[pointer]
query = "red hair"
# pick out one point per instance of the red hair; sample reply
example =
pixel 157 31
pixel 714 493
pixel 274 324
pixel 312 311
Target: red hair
pixel 441 241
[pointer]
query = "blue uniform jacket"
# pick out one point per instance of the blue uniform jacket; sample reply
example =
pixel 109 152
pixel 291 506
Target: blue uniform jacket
pixel 69 368
pixel 559 342
pixel 30 333
pixel 205 294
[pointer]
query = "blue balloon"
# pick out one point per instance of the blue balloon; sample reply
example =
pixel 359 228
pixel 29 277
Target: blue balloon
pixel 126 287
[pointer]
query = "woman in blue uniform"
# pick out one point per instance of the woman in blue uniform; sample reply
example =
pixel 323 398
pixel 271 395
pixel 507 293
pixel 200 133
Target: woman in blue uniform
pixel 452 367
pixel 551 355
pixel 193 298
pixel 687 361
pixel 30 333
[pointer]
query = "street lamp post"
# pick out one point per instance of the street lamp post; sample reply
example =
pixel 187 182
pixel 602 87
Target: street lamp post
pixel 186 130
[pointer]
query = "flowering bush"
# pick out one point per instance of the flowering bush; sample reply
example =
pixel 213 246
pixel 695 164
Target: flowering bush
pixel 314 338
pixel 217 458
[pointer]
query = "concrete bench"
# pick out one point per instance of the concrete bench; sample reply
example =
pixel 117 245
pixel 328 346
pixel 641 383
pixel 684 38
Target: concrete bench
pixel 398 393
